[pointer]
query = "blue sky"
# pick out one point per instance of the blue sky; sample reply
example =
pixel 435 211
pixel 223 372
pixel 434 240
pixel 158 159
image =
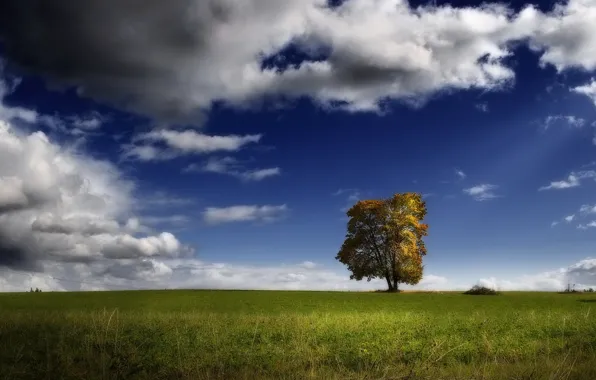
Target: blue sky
pixel 248 161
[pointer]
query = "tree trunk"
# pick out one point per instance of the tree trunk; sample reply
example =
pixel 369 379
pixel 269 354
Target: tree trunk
pixel 389 284
pixel 392 285
pixel 395 279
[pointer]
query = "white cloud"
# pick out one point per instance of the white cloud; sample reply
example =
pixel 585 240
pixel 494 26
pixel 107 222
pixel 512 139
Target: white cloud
pixel 183 143
pixel 89 122
pixel 583 211
pixel 573 180
pixel 253 213
pixel 482 192
pixel 591 224
pixel 460 174
pixel 357 54
pixel 588 209
pixel 260 174
pixel 194 142
pixel 129 247
pixel 588 90
pixel 565 35
pixel 568 120
pixel 233 167
pixel 554 224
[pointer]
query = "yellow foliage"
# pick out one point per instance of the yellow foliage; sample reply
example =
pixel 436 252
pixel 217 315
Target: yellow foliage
pixel 384 239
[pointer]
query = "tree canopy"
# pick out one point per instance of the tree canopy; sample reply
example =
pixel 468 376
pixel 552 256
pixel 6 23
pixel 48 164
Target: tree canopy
pixel 384 240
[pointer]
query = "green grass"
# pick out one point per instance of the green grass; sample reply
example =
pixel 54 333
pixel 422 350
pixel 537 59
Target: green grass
pixel 296 335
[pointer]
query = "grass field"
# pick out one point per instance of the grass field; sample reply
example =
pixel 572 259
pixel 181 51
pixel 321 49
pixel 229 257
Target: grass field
pixel 296 335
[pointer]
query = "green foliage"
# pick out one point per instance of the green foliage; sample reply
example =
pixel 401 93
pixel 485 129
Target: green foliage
pixel 384 240
pixel 478 290
pixel 295 335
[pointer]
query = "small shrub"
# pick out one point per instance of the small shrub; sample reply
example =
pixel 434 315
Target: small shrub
pixel 478 290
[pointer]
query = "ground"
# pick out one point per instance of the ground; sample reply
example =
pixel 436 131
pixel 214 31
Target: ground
pixel 296 335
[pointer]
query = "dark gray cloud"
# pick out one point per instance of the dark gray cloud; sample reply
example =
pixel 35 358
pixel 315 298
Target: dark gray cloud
pixel 173 59
pixel 18 252
pixel 124 52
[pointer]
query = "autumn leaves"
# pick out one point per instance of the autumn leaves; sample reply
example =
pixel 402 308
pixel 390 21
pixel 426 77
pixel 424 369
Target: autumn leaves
pixel 384 240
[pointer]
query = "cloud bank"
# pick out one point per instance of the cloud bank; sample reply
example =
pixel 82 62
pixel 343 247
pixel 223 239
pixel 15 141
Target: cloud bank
pixel 154 273
pixel 582 274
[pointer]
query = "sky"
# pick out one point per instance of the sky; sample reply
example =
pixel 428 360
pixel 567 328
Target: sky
pixel 219 144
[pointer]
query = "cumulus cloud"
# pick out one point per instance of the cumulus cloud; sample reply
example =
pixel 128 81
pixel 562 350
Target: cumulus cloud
pixel 232 167
pixel 482 192
pixel 564 36
pixel 573 180
pixel 179 143
pixel 129 247
pixel 588 90
pixel 58 204
pixel 173 61
pixel 252 213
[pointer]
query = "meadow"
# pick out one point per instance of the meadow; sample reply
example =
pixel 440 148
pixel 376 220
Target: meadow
pixel 204 334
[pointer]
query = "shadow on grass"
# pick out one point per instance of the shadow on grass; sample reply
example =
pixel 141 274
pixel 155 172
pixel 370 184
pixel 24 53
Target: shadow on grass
pixel 587 301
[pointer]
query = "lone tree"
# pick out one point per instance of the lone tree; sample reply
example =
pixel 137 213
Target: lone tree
pixel 384 240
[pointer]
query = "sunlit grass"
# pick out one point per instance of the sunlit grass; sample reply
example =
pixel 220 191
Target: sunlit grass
pixel 296 335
